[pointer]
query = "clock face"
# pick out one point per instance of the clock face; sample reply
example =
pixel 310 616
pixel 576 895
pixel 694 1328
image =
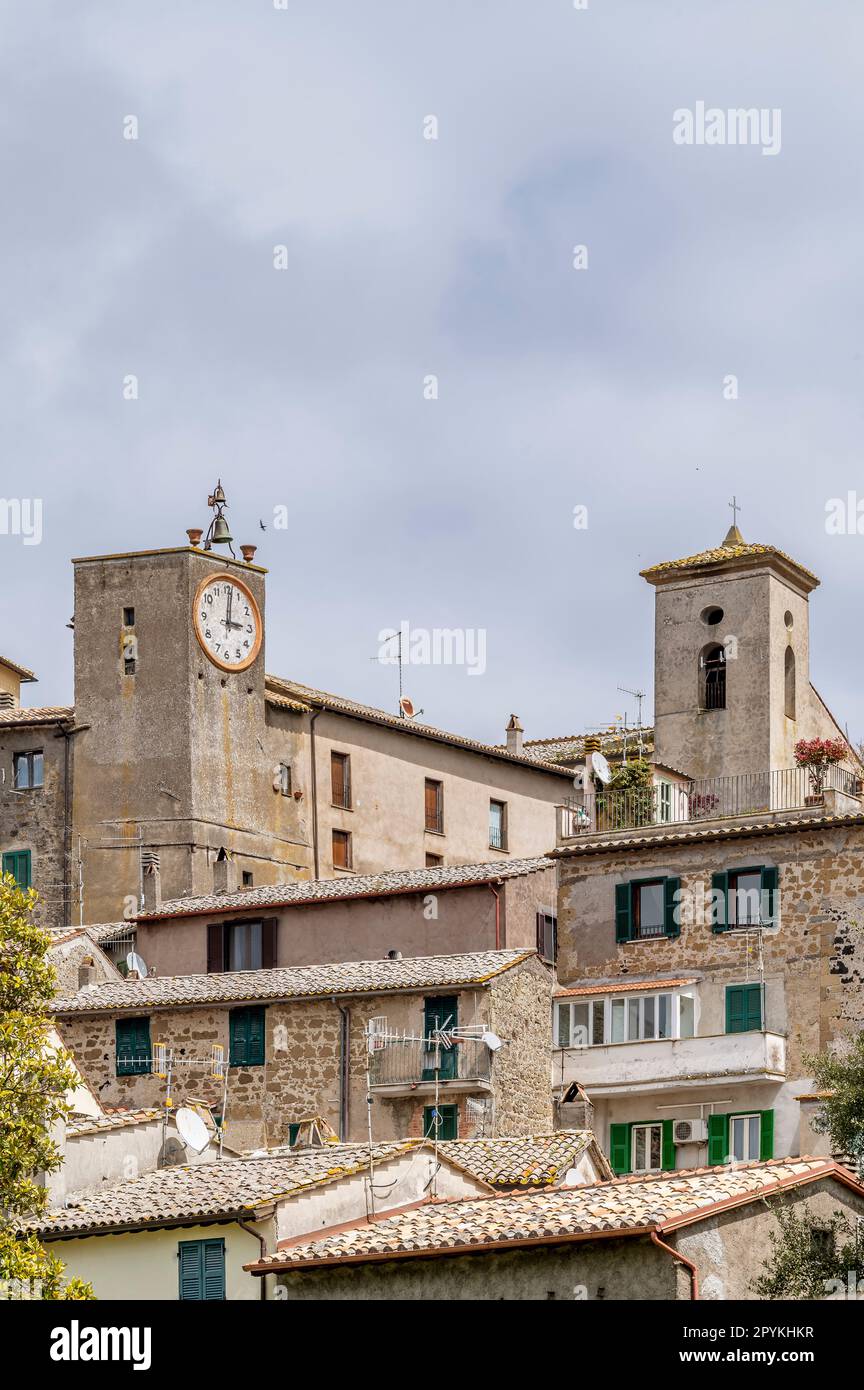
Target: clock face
pixel 227 622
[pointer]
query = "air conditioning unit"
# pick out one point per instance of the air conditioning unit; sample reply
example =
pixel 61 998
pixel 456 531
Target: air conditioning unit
pixel 690 1131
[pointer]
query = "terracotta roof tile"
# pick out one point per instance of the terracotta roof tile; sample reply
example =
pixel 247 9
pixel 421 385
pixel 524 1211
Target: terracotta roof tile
pixel 115 1119
pixel 48 714
pixel 291 982
pixel 562 1213
pixel 389 883
pixel 629 986
pixel 533 1160
pixel 721 553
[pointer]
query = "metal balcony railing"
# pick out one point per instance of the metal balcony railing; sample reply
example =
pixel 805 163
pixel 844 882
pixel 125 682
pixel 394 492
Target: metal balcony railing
pixel 705 798
pixel 409 1063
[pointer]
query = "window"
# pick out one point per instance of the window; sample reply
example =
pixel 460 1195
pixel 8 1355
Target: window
pixel 712 678
pixel 743 1008
pixel 128 617
pixel 248 879
pixel 241 945
pixel 789 678
pixel 340 780
pixel 646 1146
pixel 743 1137
pixel 342 857
pixel 433 860
pixel 622 1018
pixel 744 898
pixel 434 807
pixel 440 1012
pixel 18 863
pixel 497 825
pixel 132 1046
pixel 665 802
pixel 441 1122
pixel 202 1270
pixel 246 1037
pixel 547 935
pixel 285 779
pixel 647 908
pixel 822 1243
pixel 28 769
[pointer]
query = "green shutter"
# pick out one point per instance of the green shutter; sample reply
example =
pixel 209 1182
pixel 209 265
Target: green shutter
pixel 719 901
pixel 769 896
pixel 766 1135
pixel 671 906
pixel 448 1122
pixel 668 1159
pixel 743 1008
pixel 246 1037
pixel 619 1149
pixel 132 1046
pixel 202 1270
pixel 18 863
pixel 623 918
pixel 718 1128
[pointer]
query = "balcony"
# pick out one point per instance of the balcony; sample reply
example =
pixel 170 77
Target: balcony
pixel 629 1068
pixel 411 1068
pixel 708 799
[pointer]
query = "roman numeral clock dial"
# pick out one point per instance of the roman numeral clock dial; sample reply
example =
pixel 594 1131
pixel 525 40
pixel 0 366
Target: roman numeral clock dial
pixel 227 622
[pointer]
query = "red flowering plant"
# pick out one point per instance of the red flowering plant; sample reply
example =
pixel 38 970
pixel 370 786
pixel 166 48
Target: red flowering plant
pixel 817 755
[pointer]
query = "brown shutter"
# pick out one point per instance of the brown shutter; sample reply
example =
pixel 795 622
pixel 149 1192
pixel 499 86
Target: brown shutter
pixel 337 779
pixel 215 948
pixel 268 943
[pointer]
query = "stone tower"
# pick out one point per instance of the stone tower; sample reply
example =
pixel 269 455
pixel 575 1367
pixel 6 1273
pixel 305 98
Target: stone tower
pixel 170 761
pixel 732 689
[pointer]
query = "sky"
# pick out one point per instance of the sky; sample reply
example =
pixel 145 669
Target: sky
pixel 382 343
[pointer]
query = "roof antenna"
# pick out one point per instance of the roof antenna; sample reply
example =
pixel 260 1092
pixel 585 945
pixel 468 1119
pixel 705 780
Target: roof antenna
pixel 406 705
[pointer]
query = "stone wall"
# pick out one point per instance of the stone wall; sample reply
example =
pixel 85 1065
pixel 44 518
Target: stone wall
pixel 521 1009
pixel 34 819
pixel 821 872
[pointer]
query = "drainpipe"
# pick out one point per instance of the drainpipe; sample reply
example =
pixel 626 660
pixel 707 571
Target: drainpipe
pixel 682 1259
pixel 494 890
pixel 262 1250
pixel 344 1071
pixel 314 715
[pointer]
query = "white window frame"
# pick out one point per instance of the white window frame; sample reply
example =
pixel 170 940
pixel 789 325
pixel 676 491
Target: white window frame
pixel 628 1004
pixel 745 1119
pixel 654 1124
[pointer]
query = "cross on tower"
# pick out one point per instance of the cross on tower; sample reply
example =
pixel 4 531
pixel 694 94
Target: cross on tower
pixel 736 508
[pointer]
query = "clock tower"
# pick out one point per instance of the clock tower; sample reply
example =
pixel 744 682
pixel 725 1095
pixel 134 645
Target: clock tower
pixel 171 761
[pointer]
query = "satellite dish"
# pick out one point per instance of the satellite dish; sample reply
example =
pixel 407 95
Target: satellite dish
pixel 407 707
pixel 192 1129
pixel 172 1153
pixel 492 1041
pixel 601 768
pixel 136 963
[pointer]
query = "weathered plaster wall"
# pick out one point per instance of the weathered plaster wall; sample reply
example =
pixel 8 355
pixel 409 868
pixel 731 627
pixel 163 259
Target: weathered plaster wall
pixel 584 1270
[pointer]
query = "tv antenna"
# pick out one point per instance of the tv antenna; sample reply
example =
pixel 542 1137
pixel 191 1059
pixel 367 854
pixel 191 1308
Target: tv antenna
pixel 406 705
pixel 639 696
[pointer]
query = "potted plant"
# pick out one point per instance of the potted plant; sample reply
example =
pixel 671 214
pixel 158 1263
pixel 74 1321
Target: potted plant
pixel 817 755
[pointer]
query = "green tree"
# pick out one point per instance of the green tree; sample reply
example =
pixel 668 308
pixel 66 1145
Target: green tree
pixel 34 1080
pixel 806 1254
pixel 841 1117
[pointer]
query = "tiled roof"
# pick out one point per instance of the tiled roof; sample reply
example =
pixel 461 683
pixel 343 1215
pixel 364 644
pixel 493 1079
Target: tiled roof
pixel 116 1119
pixel 229 1187
pixel 571 747
pixel 22 671
pixel 534 1160
pixel 292 982
pixel 720 554
pixel 317 890
pixel 49 714
pixel 278 690
pixel 720 830
pixel 632 986
pixel 629 1206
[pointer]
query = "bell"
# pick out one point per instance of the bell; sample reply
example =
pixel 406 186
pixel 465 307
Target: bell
pixel 221 534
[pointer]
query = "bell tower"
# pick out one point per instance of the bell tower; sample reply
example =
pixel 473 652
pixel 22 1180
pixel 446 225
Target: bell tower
pixel 732 689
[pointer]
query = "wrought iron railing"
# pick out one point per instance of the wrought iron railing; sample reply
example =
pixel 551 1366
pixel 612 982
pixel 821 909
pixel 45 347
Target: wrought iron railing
pixel 409 1063
pixel 704 798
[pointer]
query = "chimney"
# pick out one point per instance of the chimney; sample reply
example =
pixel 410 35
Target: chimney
pixel 87 973
pixel 574 1110
pixel 514 735
pixel 152 880
pixel 220 872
